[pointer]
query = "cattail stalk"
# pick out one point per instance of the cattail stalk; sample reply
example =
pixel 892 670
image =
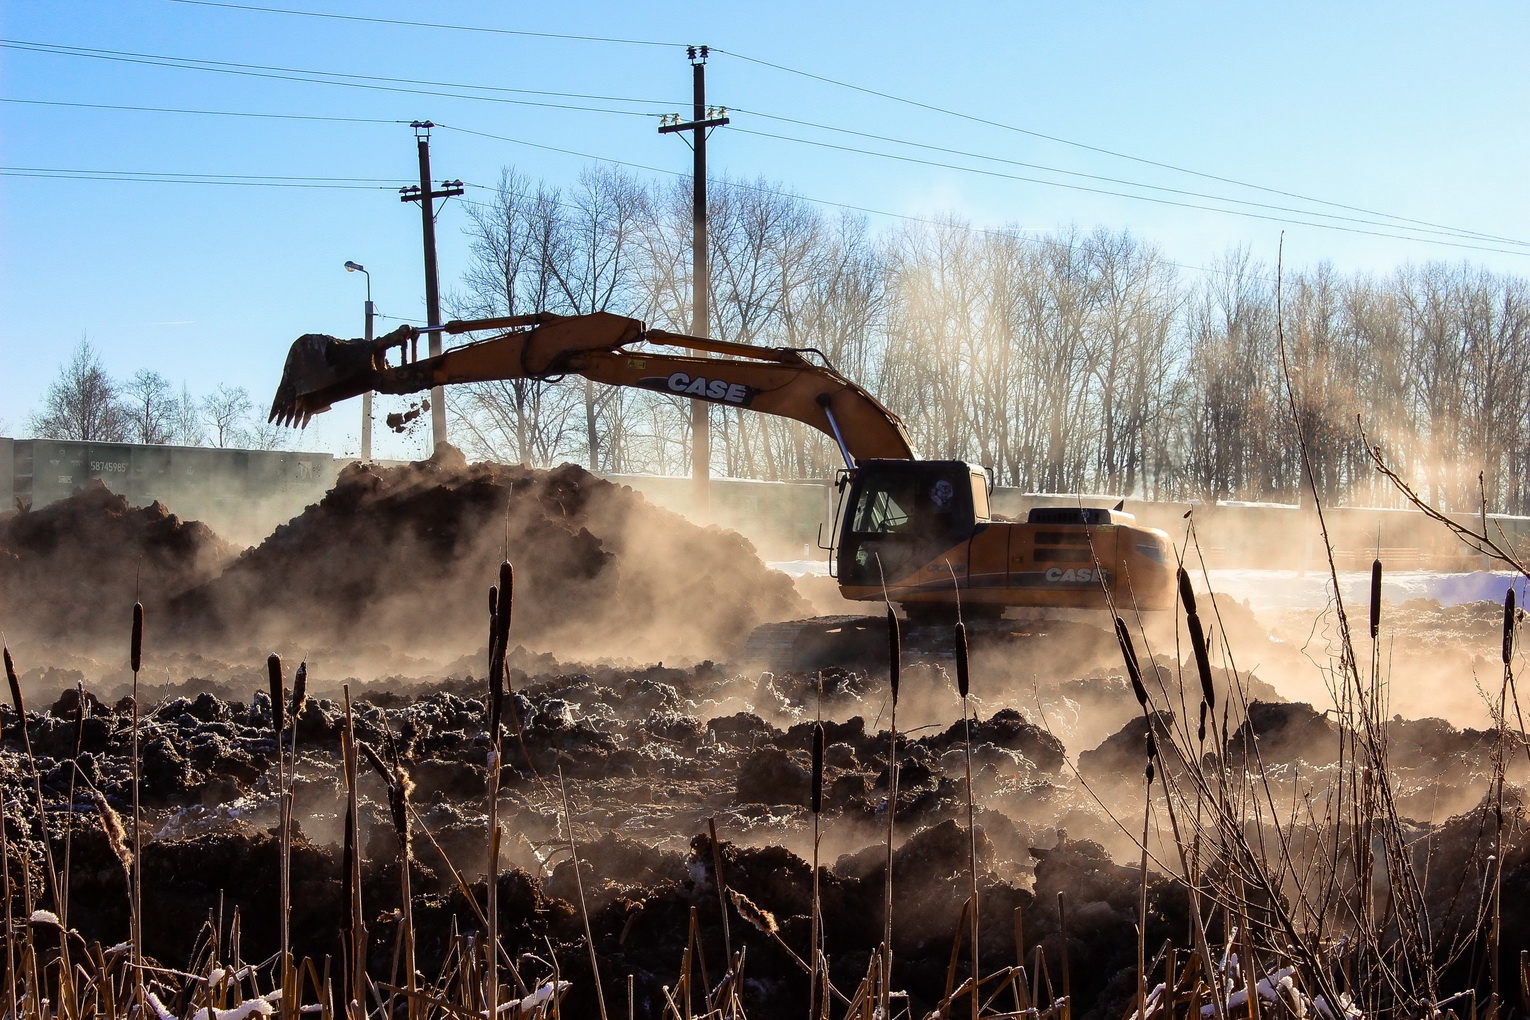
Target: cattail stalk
pixel 894 664
pixel 358 947
pixel 815 805
pixel 11 984
pixel 492 892
pixel 722 887
pixel 501 599
pixel 79 740
pixel 584 912
pixel 964 687
pixel 135 660
pixel 20 705
pixel 399 786
pixel 277 688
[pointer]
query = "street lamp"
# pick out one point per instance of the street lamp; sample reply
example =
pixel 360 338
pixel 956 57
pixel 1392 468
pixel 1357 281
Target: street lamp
pixel 366 398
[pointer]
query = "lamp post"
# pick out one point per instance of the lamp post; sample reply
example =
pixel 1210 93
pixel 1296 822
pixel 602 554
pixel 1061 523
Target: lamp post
pixel 366 398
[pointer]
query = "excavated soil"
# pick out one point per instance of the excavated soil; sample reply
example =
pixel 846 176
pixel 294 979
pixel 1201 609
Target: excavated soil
pixel 648 757
pixel 401 559
pixel 75 567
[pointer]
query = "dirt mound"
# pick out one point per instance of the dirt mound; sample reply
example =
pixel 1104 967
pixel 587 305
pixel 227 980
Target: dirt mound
pixel 403 557
pixel 73 567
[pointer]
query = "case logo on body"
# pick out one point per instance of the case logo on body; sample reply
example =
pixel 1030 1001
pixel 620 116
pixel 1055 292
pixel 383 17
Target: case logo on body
pixel 701 388
pixel 1081 575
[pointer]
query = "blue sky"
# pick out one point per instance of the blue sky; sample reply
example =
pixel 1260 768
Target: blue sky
pixel 1409 109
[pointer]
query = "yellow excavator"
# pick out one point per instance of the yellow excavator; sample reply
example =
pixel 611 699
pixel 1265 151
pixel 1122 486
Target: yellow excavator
pixel 917 533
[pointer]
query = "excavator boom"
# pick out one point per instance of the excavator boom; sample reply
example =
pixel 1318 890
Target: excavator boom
pixel 322 370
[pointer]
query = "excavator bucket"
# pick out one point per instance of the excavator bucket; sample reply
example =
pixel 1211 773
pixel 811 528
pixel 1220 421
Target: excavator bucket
pixel 320 371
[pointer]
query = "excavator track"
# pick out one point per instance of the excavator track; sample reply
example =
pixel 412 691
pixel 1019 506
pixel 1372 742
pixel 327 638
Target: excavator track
pixel 860 642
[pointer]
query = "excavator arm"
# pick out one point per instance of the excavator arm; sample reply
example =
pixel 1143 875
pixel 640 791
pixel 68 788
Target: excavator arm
pixel 321 370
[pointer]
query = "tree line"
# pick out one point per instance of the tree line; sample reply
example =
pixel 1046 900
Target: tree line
pixel 1071 362
pixel 85 403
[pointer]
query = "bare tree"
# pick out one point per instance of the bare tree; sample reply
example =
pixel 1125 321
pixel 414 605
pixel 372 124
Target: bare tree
pixel 148 399
pixel 226 410
pixel 82 402
pixel 509 273
pixel 185 425
pixel 590 259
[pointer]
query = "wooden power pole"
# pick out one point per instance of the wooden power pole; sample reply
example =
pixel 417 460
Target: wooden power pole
pixel 702 119
pixel 427 200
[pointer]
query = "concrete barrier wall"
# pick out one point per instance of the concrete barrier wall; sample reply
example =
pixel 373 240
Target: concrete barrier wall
pixel 246 494
pixel 241 494
pixel 7 474
pixel 780 518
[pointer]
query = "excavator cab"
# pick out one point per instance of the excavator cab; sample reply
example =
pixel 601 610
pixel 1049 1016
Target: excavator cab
pixel 900 516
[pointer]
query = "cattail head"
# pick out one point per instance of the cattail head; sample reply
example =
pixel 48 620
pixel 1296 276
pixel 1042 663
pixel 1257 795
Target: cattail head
pixel 816 802
pixel 299 688
pixel 762 919
pixel 963 679
pixel 1200 732
pixel 505 602
pixel 1202 658
pixel 1375 598
pixel 1186 593
pixel 398 806
pixel 278 691
pixel 1129 655
pixel 17 701
pixel 1509 626
pixel 111 825
pixel 135 651
pixel 493 607
pixel 80 711
pixel 894 652
pixel 1152 753
pixel 502 600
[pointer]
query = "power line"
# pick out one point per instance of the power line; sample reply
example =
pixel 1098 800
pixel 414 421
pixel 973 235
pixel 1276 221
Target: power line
pixel 1445 231
pixel 1147 198
pixel 431 24
pixel 1050 138
pixel 1011 232
pixel 1432 227
pixel 204 113
pixel 363 81
pixel 172 177
pixel 325 77
pixel 887 96
pixel 879 212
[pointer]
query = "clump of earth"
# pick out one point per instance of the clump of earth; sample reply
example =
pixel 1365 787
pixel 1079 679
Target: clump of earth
pixel 652 760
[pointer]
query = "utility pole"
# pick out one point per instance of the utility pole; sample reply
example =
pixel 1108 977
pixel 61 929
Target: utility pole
pixel 426 198
pixel 703 118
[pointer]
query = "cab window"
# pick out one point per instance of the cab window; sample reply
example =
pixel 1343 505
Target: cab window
pixel 883 507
